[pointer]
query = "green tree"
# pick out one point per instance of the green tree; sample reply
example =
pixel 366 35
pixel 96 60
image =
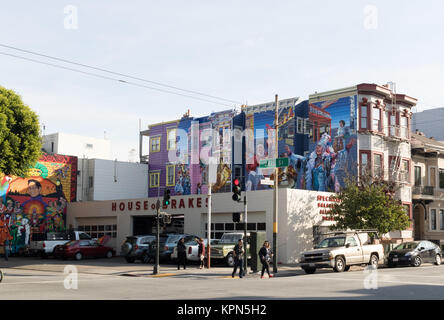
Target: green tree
pixel 20 141
pixel 369 204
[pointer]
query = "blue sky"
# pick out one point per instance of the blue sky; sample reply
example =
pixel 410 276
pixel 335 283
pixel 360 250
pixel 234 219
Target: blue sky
pixel 241 50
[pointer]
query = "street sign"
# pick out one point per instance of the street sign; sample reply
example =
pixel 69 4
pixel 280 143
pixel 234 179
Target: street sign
pixel 267 182
pixel 274 163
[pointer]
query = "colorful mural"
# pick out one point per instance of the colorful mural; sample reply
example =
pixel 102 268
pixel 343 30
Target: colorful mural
pixel 37 203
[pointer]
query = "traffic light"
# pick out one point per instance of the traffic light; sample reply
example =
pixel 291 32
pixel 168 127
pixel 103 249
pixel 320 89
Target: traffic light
pixel 236 190
pixel 236 216
pixel 166 197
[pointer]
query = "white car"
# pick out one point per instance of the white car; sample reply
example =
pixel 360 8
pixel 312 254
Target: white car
pixel 192 249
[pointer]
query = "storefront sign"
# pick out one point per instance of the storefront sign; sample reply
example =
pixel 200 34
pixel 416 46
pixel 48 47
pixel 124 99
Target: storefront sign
pixel 325 203
pixel 145 205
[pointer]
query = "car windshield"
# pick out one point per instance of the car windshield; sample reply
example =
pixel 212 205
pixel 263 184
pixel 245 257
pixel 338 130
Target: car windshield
pixel 406 245
pixel 230 238
pixel 332 242
pixel 57 236
pixel 174 239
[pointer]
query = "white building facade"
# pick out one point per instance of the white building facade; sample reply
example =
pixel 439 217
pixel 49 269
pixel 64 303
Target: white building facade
pixel 111 180
pixel 79 146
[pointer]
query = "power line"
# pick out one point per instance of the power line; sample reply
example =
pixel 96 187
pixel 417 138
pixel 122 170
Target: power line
pixel 113 79
pixel 119 74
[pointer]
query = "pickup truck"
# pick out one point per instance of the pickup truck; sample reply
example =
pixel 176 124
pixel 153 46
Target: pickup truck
pixel 223 249
pixel 43 244
pixel 342 250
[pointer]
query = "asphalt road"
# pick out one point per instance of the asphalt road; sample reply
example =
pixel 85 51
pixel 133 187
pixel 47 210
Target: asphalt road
pixel 30 278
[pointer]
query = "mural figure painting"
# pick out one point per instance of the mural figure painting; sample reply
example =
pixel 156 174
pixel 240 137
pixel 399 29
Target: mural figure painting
pixel 37 204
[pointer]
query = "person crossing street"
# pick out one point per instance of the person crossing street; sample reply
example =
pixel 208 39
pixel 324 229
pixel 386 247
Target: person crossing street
pixel 265 255
pixel 238 253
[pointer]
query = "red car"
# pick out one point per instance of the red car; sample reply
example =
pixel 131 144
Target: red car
pixel 80 249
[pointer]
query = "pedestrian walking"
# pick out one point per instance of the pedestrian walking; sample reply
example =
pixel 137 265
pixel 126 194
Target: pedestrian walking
pixel 5 237
pixel 201 252
pixel 265 255
pixel 181 254
pixel 238 253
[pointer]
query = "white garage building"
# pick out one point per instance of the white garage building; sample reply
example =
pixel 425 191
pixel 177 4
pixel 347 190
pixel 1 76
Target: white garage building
pixel 302 215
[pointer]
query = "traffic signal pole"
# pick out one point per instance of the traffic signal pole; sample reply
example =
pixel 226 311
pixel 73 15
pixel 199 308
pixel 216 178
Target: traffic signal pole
pixel 276 185
pixel 209 227
pixel 245 235
pixel 156 265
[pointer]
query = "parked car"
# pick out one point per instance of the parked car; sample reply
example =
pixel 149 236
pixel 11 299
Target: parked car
pixel 192 248
pixel 44 244
pixel 414 253
pixel 167 244
pixel 342 250
pixel 223 250
pixel 79 249
pixel 134 247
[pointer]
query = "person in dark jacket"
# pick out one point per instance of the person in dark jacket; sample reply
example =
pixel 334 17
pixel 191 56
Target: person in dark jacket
pixel 201 252
pixel 265 255
pixel 238 253
pixel 181 254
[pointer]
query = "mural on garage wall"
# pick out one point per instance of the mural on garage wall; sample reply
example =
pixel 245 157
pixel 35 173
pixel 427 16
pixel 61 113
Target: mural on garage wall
pixel 38 202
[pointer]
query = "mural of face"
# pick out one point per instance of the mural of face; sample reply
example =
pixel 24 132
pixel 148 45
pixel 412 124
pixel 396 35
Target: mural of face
pixel 33 189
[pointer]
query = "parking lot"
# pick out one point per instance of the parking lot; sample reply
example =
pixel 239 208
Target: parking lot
pixel 35 278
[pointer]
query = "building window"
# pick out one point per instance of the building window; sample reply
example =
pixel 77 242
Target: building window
pixel 261 226
pixel 404 127
pixel 417 176
pixel 171 139
pixel 405 170
pixel 170 175
pixel 441 178
pixel 300 125
pixel 52 147
pixel 441 219
pixel 155 144
pixel 364 117
pixel 376 118
pixel 432 219
pixel 154 179
pixel 364 162
pixel 392 125
pixel 378 169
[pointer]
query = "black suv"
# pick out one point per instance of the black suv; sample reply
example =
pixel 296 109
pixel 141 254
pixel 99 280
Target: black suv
pixel 135 247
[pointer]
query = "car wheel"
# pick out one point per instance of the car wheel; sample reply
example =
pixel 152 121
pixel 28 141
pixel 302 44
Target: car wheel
pixel 109 254
pixel 1 276
pixel 416 261
pixel 309 270
pixel 347 268
pixel 230 260
pixel 373 261
pixel 339 264
pixel 130 259
pixel 78 256
pixel 438 260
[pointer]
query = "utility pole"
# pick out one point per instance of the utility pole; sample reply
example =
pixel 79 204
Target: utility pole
pixel 245 235
pixel 209 227
pixel 276 185
pixel 156 265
